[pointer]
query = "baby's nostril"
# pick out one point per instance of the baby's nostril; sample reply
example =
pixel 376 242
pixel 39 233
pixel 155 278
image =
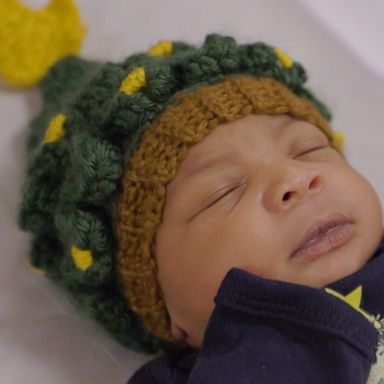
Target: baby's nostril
pixel 286 196
pixel 314 183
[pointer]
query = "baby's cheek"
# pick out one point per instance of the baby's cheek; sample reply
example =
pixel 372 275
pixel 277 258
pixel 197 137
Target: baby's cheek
pixel 366 200
pixel 198 304
pixel 266 271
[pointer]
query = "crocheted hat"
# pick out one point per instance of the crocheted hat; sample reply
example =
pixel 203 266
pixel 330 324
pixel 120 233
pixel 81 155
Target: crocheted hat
pixel 109 139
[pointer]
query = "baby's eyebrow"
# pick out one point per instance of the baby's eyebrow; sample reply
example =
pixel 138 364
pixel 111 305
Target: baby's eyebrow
pixel 200 167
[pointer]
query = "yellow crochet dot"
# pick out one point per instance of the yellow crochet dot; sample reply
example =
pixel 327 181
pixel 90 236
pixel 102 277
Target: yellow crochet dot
pixel 55 131
pixel 34 40
pixel 162 48
pixel 134 81
pixel 339 140
pixel 38 271
pixel 83 258
pixel 284 58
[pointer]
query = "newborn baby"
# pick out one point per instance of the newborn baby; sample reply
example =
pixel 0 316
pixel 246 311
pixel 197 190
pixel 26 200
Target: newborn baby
pixel 197 203
pixel 248 196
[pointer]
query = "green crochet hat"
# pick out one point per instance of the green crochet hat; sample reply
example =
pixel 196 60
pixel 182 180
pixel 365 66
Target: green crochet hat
pixel 108 140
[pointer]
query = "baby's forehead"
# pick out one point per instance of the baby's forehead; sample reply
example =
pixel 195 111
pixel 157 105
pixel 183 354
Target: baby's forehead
pixel 252 131
pixel 229 142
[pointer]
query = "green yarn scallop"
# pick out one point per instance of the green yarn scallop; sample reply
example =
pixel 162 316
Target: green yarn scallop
pixel 95 170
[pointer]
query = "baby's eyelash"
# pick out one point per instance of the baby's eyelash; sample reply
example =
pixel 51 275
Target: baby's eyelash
pixel 227 192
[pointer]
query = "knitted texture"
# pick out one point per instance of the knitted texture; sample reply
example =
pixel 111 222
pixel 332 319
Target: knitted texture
pixel 91 210
pixel 34 40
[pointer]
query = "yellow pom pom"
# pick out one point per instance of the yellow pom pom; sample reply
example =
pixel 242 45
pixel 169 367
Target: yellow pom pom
pixel 55 131
pixel 162 48
pixel 38 271
pixel 134 81
pixel 339 140
pixel 284 58
pixel 82 258
pixel 34 40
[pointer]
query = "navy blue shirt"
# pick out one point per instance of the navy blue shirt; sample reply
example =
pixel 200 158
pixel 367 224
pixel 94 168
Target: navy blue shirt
pixel 267 331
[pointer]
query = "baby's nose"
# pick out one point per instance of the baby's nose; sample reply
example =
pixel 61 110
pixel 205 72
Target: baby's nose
pixel 288 185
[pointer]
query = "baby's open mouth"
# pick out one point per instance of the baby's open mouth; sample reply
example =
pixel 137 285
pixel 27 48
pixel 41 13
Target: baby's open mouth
pixel 323 236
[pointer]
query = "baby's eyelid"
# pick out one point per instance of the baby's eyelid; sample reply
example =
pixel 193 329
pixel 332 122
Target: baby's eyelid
pixel 312 149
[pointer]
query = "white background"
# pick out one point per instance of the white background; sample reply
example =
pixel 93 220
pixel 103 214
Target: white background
pixel 43 339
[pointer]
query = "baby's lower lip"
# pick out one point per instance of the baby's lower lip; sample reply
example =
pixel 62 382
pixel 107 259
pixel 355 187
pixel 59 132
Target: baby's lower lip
pixel 325 242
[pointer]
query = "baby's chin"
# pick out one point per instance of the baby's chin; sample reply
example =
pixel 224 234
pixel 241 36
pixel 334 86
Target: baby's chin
pixel 338 267
pixel 319 273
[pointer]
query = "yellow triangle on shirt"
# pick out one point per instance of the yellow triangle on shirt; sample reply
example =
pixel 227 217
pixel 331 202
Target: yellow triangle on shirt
pixel 353 299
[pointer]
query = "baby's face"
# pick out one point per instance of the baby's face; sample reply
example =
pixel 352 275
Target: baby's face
pixel 251 211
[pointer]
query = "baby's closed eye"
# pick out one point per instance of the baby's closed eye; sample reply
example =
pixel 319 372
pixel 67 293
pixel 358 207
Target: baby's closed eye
pixel 222 192
pixel 312 149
